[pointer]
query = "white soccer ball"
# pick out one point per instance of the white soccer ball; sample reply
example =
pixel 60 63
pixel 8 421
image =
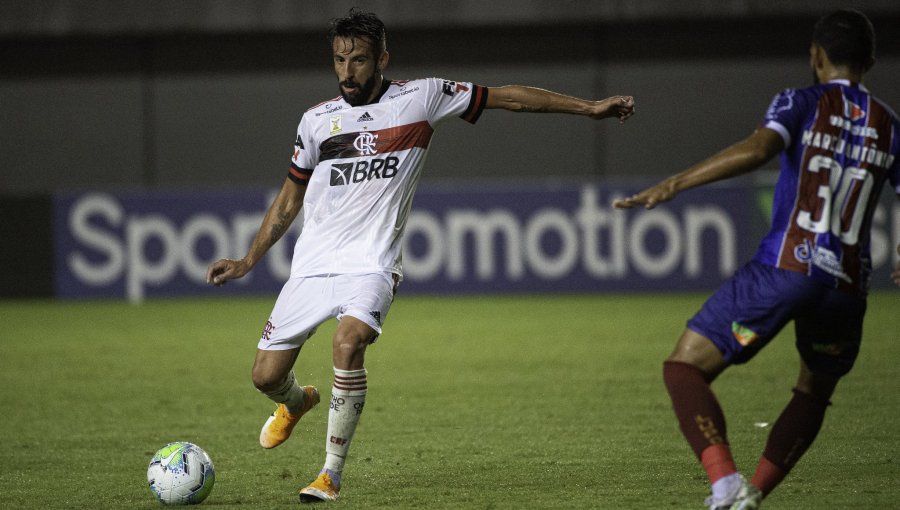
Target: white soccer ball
pixel 181 473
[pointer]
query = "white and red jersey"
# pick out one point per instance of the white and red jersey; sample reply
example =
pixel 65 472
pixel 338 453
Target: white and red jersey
pixel 361 165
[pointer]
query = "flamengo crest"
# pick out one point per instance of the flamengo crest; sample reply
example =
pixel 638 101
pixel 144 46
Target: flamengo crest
pixel 365 143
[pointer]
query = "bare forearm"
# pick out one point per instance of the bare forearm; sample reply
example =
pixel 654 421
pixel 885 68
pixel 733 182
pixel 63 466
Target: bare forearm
pixel 278 219
pixel 272 229
pixel 735 160
pixel 520 98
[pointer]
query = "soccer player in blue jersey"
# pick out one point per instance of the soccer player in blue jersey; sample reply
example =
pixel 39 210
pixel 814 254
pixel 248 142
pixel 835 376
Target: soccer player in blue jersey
pixel 838 146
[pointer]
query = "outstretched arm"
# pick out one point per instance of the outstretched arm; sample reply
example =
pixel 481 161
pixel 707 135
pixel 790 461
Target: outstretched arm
pixel 279 217
pixel 740 158
pixel 520 98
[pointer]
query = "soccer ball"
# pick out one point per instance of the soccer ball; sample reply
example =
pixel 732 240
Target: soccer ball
pixel 181 473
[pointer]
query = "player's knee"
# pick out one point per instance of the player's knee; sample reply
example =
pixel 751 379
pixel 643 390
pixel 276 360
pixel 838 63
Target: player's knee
pixel 349 344
pixel 677 374
pixel 348 347
pixel 817 386
pixel 265 380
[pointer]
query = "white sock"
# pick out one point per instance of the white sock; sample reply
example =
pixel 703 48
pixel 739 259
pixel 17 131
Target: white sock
pixel 727 487
pixel 348 397
pixel 288 393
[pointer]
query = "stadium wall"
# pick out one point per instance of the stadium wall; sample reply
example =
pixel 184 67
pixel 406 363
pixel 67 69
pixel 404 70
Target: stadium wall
pixel 165 109
pixel 26 256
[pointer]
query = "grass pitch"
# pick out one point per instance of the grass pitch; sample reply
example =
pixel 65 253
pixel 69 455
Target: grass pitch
pixel 479 402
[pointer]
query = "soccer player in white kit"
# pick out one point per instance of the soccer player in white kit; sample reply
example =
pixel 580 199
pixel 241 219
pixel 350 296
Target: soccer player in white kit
pixel 357 160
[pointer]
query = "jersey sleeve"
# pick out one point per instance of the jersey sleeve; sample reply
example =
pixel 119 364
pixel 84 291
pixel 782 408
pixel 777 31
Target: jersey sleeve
pixel 303 162
pixel 455 98
pixel 785 115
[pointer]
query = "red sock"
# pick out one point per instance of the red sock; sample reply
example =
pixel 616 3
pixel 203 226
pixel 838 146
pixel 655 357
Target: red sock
pixel 717 462
pixel 767 476
pixel 700 417
pixel 793 433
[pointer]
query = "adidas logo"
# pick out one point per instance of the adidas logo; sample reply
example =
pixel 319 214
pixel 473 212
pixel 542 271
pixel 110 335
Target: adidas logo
pixel 376 315
pixel 365 118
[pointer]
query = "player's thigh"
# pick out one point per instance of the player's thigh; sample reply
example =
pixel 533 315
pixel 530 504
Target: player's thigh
pixel 367 298
pixel 302 306
pixel 829 334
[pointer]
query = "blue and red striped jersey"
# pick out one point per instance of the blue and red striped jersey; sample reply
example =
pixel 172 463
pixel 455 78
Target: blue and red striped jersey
pixel 841 146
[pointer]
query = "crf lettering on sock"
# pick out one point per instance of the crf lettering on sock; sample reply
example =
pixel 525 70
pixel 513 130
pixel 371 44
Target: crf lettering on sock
pixel 348 399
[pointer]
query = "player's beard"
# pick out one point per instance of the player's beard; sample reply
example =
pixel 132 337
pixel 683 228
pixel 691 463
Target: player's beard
pixel 362 94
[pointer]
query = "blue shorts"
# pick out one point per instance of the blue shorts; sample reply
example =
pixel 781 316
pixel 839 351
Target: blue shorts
pixel 754 305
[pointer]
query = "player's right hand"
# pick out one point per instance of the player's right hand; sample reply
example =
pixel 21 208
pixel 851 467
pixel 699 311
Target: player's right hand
pixel 223 270
pixel 621 107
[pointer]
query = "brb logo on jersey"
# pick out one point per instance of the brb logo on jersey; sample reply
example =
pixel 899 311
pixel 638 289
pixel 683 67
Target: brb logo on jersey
pixel 343 174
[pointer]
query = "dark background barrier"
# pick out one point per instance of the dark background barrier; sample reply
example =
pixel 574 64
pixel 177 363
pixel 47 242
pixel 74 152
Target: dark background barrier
pixel 26 258
pixel 207 93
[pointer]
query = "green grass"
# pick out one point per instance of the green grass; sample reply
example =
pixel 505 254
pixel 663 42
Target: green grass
pixel 481 402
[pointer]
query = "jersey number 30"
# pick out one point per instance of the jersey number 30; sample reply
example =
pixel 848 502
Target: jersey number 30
pixel 842 202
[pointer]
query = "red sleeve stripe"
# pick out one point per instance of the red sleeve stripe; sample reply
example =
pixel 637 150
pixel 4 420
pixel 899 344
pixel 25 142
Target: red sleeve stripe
pixel 476 104
pixel 299 175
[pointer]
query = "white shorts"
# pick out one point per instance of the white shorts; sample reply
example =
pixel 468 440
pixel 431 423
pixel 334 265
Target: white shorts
pixel 305 303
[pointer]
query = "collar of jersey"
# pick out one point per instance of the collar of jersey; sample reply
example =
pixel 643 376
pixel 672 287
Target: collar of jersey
pixel 848 83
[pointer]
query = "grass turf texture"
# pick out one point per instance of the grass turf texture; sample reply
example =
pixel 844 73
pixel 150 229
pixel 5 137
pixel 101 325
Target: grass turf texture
pixel 480 402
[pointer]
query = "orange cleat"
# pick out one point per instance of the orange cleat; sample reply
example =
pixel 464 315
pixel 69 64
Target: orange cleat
pixel 279 426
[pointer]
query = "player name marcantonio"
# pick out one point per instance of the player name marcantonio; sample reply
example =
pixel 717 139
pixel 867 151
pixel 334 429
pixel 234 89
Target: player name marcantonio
pixel 837 145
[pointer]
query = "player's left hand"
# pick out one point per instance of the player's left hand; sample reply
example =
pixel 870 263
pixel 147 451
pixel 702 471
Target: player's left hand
pixel 895 276
pixel 650 197
pixel 621 107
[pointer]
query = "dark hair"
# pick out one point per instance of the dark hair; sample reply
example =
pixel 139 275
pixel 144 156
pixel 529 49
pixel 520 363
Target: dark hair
pixel 359 24
pixel 848 38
